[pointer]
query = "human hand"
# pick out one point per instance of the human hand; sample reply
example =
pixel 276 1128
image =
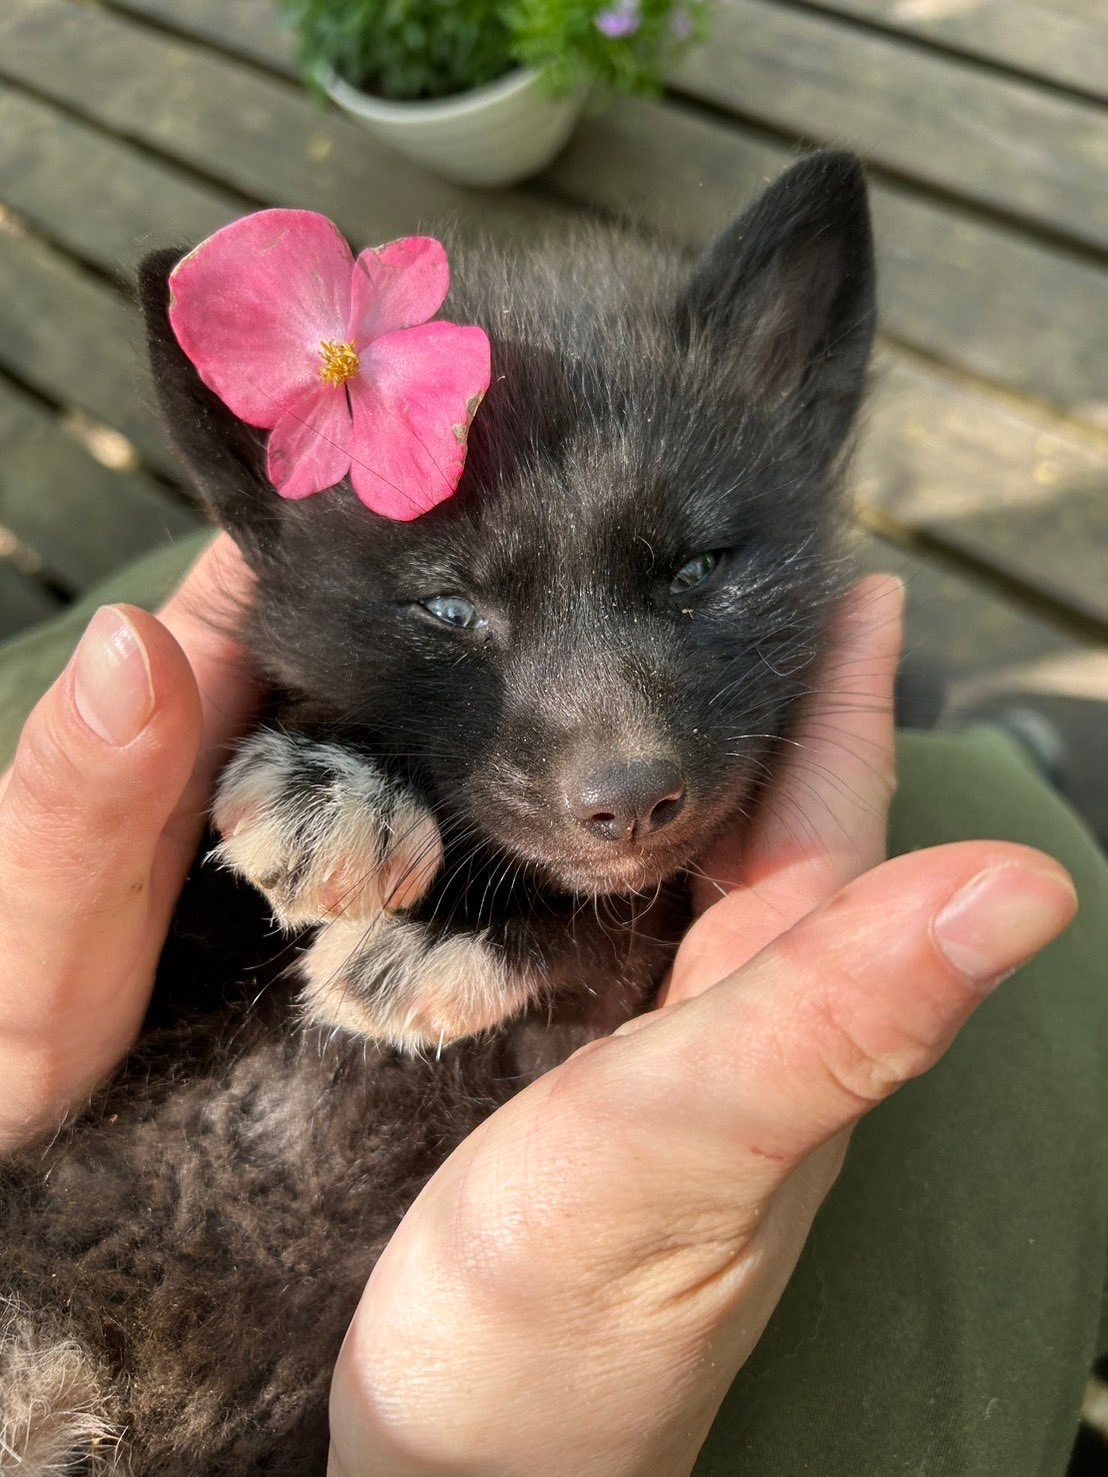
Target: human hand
pixel 577 1286
pixel 101 812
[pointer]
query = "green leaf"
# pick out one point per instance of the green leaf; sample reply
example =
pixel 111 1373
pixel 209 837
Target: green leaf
pixel 432 48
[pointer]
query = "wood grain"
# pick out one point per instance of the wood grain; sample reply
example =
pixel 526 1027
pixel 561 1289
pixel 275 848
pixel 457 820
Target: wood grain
pixel 248 28
pixel 971 643
pixel 253 134
pixel 952 285
pixel 962 289
pixel 938 456
pixel 117 204
pixel 1018 492
pixel 1062 41
pixel 77 342
pixel 1007 486
pixel 998 142
pixel 81 519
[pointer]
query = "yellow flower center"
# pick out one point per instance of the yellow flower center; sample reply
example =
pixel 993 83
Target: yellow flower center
pixel 340 362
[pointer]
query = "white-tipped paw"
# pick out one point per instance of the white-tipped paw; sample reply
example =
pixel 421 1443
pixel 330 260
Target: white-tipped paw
pixel 322 831
pixel 395 981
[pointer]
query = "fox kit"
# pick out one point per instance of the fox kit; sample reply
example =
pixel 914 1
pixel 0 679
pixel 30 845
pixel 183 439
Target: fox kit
pixel 493 739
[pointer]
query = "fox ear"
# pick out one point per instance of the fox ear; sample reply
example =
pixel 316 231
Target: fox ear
pixel 224 458
pixel 786 295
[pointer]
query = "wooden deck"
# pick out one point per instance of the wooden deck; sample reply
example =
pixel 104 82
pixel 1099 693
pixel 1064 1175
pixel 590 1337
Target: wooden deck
pixel 983 472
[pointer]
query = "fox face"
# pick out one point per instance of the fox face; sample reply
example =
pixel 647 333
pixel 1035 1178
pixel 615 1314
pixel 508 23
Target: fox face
pixel 583 659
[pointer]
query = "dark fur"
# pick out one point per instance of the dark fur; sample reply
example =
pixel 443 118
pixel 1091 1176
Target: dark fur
pixel 181 1262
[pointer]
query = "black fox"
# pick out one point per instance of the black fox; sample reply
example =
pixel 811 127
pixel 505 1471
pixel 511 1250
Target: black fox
pixel 494 739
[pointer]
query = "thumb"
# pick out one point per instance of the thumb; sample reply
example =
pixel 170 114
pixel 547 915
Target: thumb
pixel 856 999
pixel 102 762
pixel 627 1222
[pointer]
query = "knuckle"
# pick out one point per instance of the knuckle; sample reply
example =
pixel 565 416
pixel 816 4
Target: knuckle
pixel 862 1079
pixel 854 1068
pixel 44 772
pixel 65 823
pixel 47 801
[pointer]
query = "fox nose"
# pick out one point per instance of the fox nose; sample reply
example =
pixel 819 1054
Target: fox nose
pixel 622 802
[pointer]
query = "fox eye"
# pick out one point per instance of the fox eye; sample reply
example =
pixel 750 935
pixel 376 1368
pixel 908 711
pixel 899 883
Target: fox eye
pixel 693 573
pixel 455 610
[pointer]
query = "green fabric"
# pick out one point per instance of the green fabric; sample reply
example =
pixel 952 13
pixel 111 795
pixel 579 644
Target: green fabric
pixel 945 1311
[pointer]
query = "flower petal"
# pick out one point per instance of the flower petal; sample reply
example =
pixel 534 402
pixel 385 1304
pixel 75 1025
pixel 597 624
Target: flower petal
pixel 309 449
pixel 413 402
pixel 397 286
pixel 251 305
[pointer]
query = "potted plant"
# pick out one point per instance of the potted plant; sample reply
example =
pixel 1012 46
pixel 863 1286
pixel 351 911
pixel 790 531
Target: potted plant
pixel 484 91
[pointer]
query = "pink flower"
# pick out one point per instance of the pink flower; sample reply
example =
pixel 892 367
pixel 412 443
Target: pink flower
pixel 335 357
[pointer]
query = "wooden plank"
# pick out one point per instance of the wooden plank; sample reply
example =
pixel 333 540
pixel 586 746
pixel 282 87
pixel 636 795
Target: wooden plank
pixel 995 141
pixel 953 286
pixel 76 341
pixel 22 601
pixel 977 644
pixel 117 204
pixel 254 134
pixel 980 297
pixel 1062 41
pixel 1015 491
pixel 1007 489
pixel 81 519
pixel 937 454
pixel 248 28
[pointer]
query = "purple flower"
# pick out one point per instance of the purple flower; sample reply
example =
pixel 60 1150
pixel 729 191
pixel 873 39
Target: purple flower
pixel 619 20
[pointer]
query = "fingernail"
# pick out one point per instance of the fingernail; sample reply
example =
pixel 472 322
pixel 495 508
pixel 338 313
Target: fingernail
pixel 112 689
pixel 1001 919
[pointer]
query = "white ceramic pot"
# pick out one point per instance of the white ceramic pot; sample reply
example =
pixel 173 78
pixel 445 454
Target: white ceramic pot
pixel 493 135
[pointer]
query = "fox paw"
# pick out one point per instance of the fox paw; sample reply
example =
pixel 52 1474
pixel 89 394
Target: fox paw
pixel 395 981
pixel 322 831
